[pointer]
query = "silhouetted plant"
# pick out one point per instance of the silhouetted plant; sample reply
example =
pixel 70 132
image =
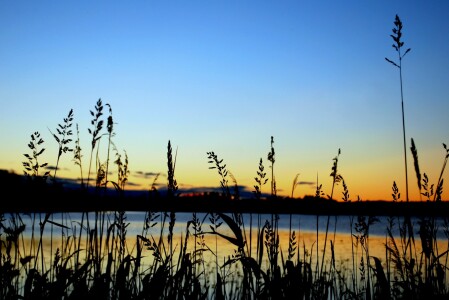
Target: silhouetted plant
pixel 295 184
pixel 336 178
pixel 416 164
pixel 77 155
pixel 319 193
pixel 345 192
pixel 101 174
pixel 172 186
pixel 439 190
pixel 221 168
pixel 397 45
pixel 292 245
pixel 428 190
pixel 109 269
pixel 63 138
pixel 97 125
pixel 32 166
pixel 396 195
pixel 236 195
pixel 260 180
pixel 122 171
pixel 154 193
pixel 110 133
pixel 271 159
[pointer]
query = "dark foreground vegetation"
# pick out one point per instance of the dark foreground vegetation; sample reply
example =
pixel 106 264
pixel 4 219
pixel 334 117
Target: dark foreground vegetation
pixel 44 254
pixel 217 255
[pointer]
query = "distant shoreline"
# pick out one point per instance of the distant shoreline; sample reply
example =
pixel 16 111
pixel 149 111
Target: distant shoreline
pixel 19 196
pixel 76 202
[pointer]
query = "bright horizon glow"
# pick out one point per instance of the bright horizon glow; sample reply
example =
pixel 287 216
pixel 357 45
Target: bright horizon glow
pixel 225 77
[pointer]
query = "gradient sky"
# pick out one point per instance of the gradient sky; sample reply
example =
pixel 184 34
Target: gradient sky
pixel 225 76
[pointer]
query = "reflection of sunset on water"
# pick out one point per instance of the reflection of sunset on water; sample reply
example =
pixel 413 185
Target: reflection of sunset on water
pixel 216 250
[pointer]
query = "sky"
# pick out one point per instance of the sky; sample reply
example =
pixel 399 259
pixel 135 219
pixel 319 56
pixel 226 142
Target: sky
pixel 226 76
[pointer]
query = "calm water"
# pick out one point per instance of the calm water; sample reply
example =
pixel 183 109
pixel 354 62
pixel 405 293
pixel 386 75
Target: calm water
pixel 309 230
pixel 316 239
pixel 298 223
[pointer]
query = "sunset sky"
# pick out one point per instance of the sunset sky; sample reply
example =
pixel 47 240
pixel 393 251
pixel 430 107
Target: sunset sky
pixel 225 76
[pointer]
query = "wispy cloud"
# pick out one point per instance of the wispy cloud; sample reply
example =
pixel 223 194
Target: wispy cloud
pixel 306 183
pixel 142 174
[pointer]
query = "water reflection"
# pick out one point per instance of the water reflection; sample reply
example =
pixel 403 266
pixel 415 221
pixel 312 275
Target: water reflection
pixel 310 231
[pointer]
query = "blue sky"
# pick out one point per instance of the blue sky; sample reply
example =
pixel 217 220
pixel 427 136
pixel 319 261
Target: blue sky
pixel 225 76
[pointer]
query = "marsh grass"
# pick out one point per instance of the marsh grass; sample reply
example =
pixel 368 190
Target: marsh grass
pixel 63 138
pixel 397 45
pixel 97 126
pixel 160 263
pixel 32 164
pixel 77 156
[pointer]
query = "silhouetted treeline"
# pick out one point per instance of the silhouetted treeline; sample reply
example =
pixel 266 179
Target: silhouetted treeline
pixel 21 194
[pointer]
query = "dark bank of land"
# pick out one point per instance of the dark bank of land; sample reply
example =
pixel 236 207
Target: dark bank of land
pixel 20 196
pixel 74 201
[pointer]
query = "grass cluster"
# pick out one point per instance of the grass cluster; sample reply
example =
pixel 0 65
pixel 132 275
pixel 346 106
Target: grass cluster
pixel 95 257
pixel 216 255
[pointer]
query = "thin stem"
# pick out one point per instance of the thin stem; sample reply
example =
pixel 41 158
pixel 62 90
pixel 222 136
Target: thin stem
pixel 403 127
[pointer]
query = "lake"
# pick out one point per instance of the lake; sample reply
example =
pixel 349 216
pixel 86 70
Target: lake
pixel 229 255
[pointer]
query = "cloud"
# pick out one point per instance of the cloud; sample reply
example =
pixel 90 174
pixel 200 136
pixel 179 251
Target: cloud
pixel 130 183
pixel 142 174
pixel 52 168
pixel 306 183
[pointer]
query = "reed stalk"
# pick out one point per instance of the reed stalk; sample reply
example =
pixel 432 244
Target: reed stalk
pixel 63 138
pixel 110 133
pixel 271 158
pixel 97 126
pixel 397 45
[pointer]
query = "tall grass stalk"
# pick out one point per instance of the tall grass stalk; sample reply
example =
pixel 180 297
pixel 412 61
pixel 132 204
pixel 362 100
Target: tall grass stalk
pixel 261 180
pixel 97 126
pixel 172 185
pixel 63 138
pixel 439 189
pixel 110 133
pixel 318 194
pixel 335 179
pixel 222 172
pixel 271 158
pixel 416 164
pixel 397 45
pixel 32 166
pixel 77 157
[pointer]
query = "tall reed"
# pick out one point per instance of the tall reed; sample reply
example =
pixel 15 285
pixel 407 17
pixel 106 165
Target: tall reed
pixel 271 158
pixel 77 156
pixel 336 178
pixel 397 45
pixel 222 172
pixel 112 264
pixel 97 126
pixel 110 133
pixel 172 185
pixel 32 166
pixel 63 138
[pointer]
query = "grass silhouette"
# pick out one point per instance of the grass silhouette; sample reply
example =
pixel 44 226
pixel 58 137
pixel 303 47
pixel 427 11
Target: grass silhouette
pixel 397 45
